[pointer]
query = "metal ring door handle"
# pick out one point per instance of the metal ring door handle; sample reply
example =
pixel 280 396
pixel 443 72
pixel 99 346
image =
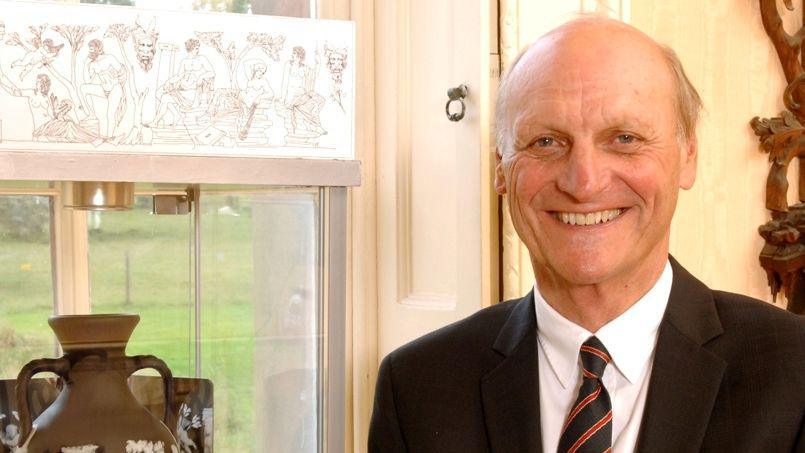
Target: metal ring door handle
pixel 456 94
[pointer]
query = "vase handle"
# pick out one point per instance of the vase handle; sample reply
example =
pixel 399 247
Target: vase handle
pixel 139 362
pixel 60 366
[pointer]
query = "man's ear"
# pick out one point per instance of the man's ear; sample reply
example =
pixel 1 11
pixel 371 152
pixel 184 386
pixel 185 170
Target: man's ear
pixel 690 153
pixel 500 178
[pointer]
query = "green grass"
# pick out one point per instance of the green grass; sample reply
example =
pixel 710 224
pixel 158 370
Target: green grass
pixel 243 300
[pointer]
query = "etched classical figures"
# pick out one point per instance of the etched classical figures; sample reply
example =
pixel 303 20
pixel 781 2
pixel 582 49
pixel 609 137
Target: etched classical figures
pixel 138 61
pixel 336 63
pixel 104 76
pixel 43 53
pixel 38 101
pixel 188 89
pixel 258 93
pixel 127 82
pixel 145 42
pixel 301 103
pixel 75 36
pixel 50 115
pixel 258 90
pixel 5 83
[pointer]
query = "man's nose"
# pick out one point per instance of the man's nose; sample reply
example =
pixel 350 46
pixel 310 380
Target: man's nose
pixel 584 174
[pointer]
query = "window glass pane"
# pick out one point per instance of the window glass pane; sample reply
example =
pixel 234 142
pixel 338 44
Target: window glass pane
pixel 260 331
pixel 142 263
pixel 26 282
pixel 260 325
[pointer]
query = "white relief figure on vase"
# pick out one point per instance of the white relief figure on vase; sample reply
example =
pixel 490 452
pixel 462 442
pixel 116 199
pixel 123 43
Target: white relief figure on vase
pixel 10 437
pixel 81 449
pixel 185 422
pixel 104 79
pixel 336 64
pixel 301 105
pixel 145 446
pixel 189 89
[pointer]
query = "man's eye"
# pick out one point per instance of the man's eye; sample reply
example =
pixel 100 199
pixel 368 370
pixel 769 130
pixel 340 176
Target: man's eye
pixel 544 141
pixel 625 138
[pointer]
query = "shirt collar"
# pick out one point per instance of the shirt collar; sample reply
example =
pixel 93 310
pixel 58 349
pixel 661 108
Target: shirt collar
pixel 630 338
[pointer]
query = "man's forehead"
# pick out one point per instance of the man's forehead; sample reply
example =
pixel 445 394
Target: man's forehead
pixel 563 63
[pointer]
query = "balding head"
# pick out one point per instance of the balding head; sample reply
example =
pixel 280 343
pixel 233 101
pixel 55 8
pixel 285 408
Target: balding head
pixel 586 41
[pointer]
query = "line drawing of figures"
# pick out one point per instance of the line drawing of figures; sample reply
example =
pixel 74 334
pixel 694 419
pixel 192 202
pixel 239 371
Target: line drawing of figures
pixel 104 78
pixel 189 88
pixel 258 93
pixel 270 44
pixel 50 115
pixel 138 63
pixel 300 103
pixel 257 88
pixel 43 54
pixel 75 36
pixel 336 64
pixel 63 129
pixel 38 100
pixel 5 83
pixel 145 43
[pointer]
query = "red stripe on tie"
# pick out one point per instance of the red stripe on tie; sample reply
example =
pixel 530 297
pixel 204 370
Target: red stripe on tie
pixel 588 374
pixel 591 432
pixel 597 352
pixel 582 404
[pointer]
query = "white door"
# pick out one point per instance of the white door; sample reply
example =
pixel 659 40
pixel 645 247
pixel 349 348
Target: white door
pixel 436 211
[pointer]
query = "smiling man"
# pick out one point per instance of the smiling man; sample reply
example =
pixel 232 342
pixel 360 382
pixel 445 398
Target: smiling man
pixel 618 348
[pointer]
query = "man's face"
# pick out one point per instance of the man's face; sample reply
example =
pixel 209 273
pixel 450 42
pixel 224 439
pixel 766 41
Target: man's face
pixel 95 50
pixel 594 138
pixel 145 50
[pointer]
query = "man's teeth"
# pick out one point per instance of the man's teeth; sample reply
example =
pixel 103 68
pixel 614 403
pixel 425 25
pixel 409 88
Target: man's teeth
pixel 589 218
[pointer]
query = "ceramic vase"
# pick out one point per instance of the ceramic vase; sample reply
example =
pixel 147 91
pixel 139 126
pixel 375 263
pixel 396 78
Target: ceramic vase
pixel 95 411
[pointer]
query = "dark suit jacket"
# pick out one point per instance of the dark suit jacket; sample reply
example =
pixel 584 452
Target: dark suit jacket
pixel 728 376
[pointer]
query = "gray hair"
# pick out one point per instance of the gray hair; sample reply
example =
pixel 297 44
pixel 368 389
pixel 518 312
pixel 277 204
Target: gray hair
pixel 688 104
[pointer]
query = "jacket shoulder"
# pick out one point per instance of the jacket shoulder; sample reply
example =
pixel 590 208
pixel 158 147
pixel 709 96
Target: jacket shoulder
pixel 754 317
pixel 760 339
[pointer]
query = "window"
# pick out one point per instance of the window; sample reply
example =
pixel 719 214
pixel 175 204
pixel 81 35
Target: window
pixel 261 315
pixel 26 280
pixel 259 308
pixel 246 290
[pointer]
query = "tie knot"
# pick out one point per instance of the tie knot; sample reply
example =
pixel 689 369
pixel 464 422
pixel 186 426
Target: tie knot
pixel 594 358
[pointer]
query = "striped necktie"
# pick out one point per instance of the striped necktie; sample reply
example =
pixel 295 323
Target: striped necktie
pixel 588 428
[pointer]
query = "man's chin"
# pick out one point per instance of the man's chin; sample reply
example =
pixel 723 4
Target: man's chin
pixel 588 271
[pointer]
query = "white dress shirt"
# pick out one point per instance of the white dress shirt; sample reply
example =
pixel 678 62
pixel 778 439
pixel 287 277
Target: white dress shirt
pixel 630 339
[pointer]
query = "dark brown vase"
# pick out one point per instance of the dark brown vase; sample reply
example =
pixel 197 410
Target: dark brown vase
pixel 95 409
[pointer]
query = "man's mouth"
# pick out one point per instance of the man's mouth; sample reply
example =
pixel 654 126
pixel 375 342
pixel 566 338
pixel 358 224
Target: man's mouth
pixel 588 218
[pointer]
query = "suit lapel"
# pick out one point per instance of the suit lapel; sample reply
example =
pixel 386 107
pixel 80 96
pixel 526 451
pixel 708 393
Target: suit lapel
pixel 686 377
pixel 510 392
